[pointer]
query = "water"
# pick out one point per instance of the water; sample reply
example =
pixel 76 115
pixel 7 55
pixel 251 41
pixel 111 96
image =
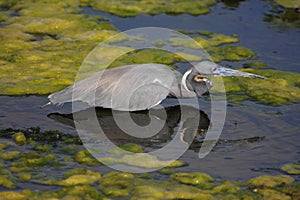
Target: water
pixel 277 46
pixel 255 140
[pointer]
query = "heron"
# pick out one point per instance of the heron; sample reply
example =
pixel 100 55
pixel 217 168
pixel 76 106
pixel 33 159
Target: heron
pixel 143 86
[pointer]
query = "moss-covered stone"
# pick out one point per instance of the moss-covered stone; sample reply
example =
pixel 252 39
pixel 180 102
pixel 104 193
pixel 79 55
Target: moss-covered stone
pixel 77 179
pixel 9 155
pixel 84 157
pixel 133 8
pixel 270 181
pixel 131 147
pixel 269 194
pixel 19 138
pixel 288 3
pixel 193 178
pixel 10 195
pixel 291 168
pixel 142 160
pixel 24 176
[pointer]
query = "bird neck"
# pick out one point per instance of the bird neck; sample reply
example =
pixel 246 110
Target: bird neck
pixel 183 80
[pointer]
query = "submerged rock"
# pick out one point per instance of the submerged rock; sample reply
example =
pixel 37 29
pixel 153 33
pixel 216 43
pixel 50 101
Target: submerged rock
pixel 270 181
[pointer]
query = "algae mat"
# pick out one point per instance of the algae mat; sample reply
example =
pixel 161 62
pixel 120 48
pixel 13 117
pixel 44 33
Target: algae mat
pixel 57 166
pixel 43 45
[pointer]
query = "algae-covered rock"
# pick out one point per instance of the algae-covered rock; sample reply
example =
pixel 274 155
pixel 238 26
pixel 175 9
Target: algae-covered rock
pixel 142 160
pixel 117 183
pixel 78 192
pixel 133 8
pixel 78 179
pixel 166 190
pixel 9 155
pixel 291 168
pixel 288 3
pixel 19 138
pixel 84 157
pixel 193 178
pixel 134 148
pixel 7 183
pixel 10 195
pixel 226 187
pixel 24 176
pixel 269 194
pixel 270 181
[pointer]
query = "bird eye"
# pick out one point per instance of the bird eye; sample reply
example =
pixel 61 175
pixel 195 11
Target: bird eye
pixel 198 78
pixel 214 69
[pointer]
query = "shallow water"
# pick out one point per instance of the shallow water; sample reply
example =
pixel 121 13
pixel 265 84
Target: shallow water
pixel 255 140
pixel 247 21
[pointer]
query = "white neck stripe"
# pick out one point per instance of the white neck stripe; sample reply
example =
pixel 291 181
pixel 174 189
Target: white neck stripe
pixel 183 80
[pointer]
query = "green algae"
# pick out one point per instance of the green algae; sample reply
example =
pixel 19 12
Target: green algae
pixel 142 160
pixel 87 178
pixel 230 53
pixel 193 178
pixel 280 88
pixel 152 7
pixel 214 45
pixel 210 39
pixel 42 48
pixel 24 176
pixel 73 181
pixel 19 138
pixel 291 168
pixel 269 194
pixel 288 3
pixel 84 157
pixel 131 147
pixel 9 155
pixel 270 181
pixel 10 195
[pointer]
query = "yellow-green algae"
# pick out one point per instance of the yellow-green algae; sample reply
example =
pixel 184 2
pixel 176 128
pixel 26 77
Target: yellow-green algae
pixel 280 87
pixel 270 181
pixel 289 3
pixel 77 177
pixel 73 181
pixel 291 168
pixel 142 160
pixel 84 157
pixel 41 49
pixel 19 138
pixel 131 8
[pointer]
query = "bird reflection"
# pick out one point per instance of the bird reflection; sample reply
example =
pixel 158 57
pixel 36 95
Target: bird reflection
pixel 177 118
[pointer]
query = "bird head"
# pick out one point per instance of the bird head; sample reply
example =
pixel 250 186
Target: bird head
pixel 197 79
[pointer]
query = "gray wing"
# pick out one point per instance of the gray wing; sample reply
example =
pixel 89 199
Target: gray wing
pixel 128 88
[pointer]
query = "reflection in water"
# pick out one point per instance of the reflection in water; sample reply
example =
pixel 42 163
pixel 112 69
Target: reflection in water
pixel 173 119
pixel 232 3
pixel 283 16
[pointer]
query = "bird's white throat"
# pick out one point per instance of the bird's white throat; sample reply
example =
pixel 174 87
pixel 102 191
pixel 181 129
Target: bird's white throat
pixel 183 80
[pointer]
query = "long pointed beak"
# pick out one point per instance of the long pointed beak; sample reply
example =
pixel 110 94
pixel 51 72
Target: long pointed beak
pixel 223 71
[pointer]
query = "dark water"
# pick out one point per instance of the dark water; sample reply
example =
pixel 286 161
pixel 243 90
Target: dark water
pixel 256 139
pixel 278 46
